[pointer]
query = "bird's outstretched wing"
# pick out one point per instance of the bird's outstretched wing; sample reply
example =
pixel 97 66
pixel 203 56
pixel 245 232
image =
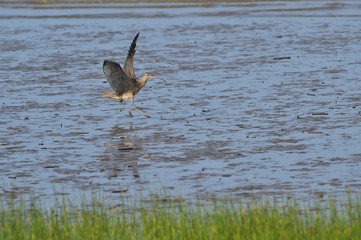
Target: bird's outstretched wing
pixel 116 77
pixel 128 65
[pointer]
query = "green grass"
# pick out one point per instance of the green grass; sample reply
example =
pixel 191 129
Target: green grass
pixel 176 219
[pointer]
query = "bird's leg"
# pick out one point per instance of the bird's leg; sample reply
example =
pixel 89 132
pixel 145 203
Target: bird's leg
pixel 130 113
pixel 132 99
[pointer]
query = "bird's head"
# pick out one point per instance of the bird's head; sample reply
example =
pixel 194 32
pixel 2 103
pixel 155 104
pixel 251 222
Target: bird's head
pixel 146 76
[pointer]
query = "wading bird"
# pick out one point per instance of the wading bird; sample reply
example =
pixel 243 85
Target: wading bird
pixel 124 82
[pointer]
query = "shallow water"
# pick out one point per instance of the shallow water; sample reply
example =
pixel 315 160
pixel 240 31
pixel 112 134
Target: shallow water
pixel 261 98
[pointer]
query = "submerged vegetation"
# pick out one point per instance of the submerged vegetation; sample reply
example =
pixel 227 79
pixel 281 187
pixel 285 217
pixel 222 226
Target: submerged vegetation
pixel 177 219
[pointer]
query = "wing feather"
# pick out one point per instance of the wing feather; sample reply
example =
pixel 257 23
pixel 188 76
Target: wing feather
pixel 128 65
pixel 116 77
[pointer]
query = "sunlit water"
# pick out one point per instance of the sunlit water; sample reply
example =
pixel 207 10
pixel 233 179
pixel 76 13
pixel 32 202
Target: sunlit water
pixel 261 99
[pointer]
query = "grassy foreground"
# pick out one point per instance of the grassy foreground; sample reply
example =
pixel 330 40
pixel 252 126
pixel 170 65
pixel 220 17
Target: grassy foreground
pixel 176 219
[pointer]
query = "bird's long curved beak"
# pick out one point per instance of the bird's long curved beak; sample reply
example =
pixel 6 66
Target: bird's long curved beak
pixel 158 78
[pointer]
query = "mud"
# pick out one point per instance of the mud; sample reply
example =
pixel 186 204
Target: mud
pixel 261 99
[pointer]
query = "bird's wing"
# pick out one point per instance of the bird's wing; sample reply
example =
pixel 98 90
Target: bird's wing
pixel 128 65
pixel 116 77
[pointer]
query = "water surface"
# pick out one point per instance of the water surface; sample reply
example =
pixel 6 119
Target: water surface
pixel 261 99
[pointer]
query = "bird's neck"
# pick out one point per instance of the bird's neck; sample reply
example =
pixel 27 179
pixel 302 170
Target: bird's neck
pixel 142 81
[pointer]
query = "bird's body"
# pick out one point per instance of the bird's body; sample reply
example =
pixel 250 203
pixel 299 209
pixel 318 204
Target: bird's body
pixel 124 82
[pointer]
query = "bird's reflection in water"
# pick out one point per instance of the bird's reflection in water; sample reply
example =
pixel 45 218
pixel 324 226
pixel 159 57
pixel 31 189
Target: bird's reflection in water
pixel 124 153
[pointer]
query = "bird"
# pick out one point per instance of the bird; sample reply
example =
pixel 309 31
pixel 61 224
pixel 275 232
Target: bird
pixel 123 81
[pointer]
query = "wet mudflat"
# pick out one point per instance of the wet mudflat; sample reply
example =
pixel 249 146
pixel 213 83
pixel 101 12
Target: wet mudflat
pixel 261 98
